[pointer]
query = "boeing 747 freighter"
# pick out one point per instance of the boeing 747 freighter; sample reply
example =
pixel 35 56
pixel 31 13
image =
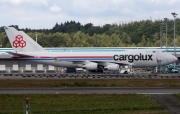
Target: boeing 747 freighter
pixel 25 48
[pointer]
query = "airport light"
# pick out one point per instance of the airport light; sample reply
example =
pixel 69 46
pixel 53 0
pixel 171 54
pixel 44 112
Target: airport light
pixel 174 15
pixel 161 23
pixel 36 37
pixel 159 61
pixel 27 105
pixel 165 20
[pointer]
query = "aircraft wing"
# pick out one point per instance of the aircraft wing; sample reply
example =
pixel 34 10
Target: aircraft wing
pixel 101 62
pixel 76 61
pixel 19 54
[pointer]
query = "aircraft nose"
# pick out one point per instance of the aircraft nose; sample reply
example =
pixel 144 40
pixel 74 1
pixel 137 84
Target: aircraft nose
pixel 173 58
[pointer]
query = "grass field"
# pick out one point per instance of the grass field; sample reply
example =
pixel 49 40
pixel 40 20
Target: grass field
pixel 55 83
pixel 83 103
pixel 177 95
pixel 80 104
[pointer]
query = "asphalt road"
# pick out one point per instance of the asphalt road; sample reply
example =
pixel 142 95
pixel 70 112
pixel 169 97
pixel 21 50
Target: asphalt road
pixel 92 90
pixel 170 102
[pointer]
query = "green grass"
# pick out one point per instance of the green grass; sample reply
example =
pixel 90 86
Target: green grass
pixel 55 83
pixel 178 95
pixel 83 103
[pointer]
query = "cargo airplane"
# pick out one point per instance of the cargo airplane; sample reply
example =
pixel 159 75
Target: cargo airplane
pixel 25 48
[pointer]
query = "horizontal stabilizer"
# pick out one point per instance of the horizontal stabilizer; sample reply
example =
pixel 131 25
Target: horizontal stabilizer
pixel 19 54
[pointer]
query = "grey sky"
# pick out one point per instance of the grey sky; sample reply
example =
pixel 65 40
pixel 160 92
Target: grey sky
pixel 45 13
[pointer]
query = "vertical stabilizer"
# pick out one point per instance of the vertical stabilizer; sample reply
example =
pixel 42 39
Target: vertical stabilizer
pixel 21 42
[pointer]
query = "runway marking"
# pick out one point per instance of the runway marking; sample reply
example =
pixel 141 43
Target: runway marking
pixel 155 93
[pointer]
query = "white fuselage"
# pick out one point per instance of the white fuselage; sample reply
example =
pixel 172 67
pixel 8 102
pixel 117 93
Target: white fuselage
pixel 136 58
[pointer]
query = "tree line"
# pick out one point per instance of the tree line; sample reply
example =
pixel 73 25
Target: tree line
pixel 143 33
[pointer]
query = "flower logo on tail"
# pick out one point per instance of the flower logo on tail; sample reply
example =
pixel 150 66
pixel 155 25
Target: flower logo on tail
pixel 19 42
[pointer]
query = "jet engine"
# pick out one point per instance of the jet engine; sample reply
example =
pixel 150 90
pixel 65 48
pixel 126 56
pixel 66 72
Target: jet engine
pixel 112 67
pixel 91 66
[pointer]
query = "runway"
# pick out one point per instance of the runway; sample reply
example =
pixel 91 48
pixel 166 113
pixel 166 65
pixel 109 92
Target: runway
pixel 92 90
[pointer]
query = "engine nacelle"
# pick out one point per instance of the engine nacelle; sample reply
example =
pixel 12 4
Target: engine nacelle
pixel 91 66
pixel 112 67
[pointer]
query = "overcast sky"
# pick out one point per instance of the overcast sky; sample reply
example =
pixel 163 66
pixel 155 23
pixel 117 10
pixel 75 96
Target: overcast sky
pixel 39 14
